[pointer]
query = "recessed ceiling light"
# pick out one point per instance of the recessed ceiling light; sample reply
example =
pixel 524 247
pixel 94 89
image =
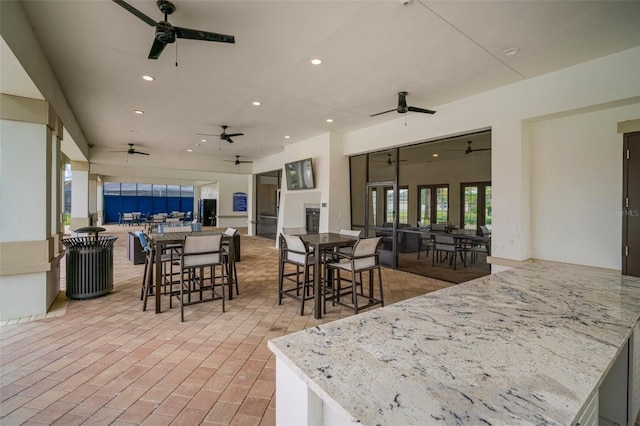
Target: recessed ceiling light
pixel 287 137
pixel 435 155
pixel 329 120
pixel 257 103
pixel 316 61
pixel 138 111
pixel 511 51
pixel 189 150
pixel 148 78
pixel 197 144
pixel 203 140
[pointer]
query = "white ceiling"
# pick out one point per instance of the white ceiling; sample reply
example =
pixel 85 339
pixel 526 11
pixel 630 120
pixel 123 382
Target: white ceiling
pixel 438 51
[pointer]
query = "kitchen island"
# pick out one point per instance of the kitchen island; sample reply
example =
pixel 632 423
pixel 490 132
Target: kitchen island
pixel 531 345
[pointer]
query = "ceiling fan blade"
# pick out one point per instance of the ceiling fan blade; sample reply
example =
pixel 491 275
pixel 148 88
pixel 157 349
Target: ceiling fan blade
pixel 136 12
pixel 156 49
pixel 206 134
pixel 228 139
pixel 232 135
pixel 416 109
pixel 384 112
pixel 142 153
pixel 203 35
pixel 482 149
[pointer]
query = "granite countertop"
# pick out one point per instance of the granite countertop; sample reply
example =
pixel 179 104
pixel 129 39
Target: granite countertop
pixel 525 346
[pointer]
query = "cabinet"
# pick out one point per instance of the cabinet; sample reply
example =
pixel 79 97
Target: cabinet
pixel 619 393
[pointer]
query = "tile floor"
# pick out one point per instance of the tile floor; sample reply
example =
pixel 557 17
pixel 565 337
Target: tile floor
pixel 104 361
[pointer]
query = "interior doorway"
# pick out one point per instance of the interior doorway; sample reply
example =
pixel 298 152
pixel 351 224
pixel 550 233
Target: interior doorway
pixel 268 203
pixel 631 205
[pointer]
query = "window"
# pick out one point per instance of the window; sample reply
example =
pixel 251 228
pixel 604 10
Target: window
pixel 403 200
pixel 128 189
pixel 159 190
pixel 374 204
pixel 186 191
pixel 144 189
pixel 173 190
pixel 111 188
pixel 433 205
pixel 476 204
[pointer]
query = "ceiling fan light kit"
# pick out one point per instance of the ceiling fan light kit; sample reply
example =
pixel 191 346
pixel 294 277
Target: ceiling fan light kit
pixel 167 33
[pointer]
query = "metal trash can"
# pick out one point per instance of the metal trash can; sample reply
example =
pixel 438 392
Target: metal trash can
pixel 89 264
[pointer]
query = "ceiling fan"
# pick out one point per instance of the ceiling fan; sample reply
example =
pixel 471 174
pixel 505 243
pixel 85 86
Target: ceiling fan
pixel 469 150
pixel 403 107
pixel 389 161
pixel 238 161
pixel 167 33
pixel 224 135
pixel 132 150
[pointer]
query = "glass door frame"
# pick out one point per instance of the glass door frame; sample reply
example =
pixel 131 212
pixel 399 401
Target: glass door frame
pixel 394 224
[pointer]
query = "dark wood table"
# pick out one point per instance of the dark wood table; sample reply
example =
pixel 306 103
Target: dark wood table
pixel 161 241
pixel 322 242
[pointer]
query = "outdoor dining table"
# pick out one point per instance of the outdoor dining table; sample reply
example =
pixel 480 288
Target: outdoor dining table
pixel 322 242
pixel 160 243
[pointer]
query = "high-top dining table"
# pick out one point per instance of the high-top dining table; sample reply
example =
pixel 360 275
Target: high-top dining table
pixel 160 243
pixel 320 243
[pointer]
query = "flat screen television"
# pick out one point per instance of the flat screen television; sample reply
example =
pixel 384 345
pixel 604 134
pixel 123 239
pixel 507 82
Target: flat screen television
pixel 299 174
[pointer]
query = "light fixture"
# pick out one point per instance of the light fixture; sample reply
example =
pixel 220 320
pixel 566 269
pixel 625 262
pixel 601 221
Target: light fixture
pixel 138 111
pixel 197 144
pixel 511 51
pixel 148 78
pixel 329 120
pixel 316 61
pixel 257 103
pixel 203 140
pixel 435 155
pixel 189 150
pixel 287 137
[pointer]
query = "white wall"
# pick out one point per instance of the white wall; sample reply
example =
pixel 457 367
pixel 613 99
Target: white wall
pixel 226 216
pixel 577 188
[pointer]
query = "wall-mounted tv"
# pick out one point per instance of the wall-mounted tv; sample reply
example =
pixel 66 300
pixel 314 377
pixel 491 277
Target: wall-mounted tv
pixel 299 174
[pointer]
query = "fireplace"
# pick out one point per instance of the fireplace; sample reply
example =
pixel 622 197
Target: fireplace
pixel 312 222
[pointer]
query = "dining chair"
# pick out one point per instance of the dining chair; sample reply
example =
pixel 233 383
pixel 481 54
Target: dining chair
pixel 294 252
pixel 364 258
pixel 198 254
pixel 425 243
pixel 448 244
pixel 127 218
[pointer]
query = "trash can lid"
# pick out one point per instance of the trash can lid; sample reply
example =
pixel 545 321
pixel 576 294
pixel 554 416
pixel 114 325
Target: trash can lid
pixel 90 229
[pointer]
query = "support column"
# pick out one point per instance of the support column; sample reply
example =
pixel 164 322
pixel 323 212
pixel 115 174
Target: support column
pixel 79 195
pixel 30 190
pixel 511 181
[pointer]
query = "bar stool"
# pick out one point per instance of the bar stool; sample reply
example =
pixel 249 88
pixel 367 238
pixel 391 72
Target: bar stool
pixel 294 252
pixel 167 263
pixel 364 258
pixel 198 253
pixel 231 232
